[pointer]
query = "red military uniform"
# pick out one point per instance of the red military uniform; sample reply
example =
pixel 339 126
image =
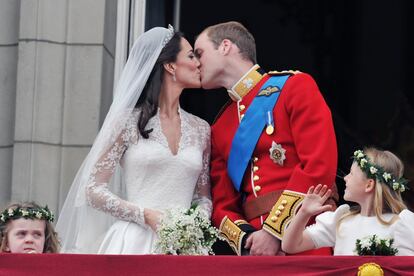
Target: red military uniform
pixel 299 153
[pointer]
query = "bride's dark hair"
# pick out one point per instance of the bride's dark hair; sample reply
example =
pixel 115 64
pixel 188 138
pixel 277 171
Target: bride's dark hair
pixel 148 101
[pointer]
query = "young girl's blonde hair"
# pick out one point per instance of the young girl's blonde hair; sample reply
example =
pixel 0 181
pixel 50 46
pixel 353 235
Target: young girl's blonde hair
pixel 386 199
pixel 51 238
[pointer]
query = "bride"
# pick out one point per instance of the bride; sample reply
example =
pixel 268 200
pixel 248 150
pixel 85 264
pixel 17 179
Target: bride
pixel 149 156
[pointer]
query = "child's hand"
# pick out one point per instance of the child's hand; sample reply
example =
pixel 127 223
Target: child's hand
pixel 314 200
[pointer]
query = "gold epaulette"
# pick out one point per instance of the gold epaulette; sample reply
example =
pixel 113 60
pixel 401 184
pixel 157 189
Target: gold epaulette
pixel 282 212
pixel 284 72
pixel 231 232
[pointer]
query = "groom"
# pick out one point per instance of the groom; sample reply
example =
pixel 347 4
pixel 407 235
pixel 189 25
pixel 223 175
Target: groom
pixel 271 142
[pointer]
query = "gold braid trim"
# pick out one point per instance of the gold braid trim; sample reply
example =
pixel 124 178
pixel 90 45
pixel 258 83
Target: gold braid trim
pixel 231 232
pixel 284 72
pixel 240 222
pixel 282 212
pixel 247 82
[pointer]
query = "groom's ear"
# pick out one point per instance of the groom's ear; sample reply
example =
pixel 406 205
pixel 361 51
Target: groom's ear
pixel 169 67
pixel 225 46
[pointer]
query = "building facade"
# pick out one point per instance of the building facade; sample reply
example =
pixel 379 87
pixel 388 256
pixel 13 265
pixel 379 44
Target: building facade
pixel 59 60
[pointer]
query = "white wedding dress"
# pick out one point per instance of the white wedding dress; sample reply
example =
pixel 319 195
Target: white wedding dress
pixel 153 177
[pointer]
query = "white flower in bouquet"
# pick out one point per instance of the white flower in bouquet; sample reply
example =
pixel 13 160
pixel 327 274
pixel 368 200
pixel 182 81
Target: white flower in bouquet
pixel 185 232
pixel 365 243
pixel 375 246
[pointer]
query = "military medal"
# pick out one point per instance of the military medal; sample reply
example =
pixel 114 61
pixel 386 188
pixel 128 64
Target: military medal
pixel 270 125
pixel 277 153
pixel 269 129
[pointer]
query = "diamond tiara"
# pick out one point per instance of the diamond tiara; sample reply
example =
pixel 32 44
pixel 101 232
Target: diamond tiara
pixel 170 34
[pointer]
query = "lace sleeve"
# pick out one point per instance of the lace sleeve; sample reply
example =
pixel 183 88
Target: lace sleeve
pixel 98 194
pixel 202 195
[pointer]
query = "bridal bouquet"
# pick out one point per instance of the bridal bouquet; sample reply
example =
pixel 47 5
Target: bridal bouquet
pixel 186 232
pixel 372 245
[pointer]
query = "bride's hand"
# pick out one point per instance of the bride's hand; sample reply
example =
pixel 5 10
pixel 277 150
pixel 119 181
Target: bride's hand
pixel 152 218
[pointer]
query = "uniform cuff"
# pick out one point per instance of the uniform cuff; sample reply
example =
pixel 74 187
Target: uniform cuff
pixel 282 212
pixel 234 233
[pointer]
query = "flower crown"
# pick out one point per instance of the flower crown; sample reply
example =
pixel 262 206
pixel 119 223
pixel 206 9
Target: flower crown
pixel 378 173
pixel 27 213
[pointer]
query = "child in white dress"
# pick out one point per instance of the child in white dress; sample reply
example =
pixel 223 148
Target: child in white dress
pixel 375 183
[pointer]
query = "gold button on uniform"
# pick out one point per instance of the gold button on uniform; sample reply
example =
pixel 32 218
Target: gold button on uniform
pixel 284 202
pixel 281 207
pixel 255 168
pixel 257 188
pixel 277 213
pixel 273 219
pixel 255 159
pixel 256 177
pixel 242 107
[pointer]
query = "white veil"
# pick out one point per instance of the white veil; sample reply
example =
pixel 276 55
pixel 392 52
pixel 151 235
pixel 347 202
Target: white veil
pixel 80 227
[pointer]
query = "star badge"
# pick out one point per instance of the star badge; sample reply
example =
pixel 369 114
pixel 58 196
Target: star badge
pixel 277 153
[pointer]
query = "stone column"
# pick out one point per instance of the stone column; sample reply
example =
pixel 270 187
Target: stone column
pixel 64 88
pixel 9 29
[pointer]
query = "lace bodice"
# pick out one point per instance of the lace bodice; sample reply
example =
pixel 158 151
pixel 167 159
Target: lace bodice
pixel 152 176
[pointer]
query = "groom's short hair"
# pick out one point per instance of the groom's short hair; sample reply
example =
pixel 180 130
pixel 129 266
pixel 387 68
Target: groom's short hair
pixel 236 33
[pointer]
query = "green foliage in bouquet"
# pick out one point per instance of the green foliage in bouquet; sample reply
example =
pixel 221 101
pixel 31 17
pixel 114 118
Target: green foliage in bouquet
pixel 374 246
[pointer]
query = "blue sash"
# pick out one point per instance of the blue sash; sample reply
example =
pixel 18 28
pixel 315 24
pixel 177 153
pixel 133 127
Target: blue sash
pixel 251 127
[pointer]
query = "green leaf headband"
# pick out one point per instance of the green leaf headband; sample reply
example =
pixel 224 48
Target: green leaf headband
pixel 378 173
pixel 27 213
